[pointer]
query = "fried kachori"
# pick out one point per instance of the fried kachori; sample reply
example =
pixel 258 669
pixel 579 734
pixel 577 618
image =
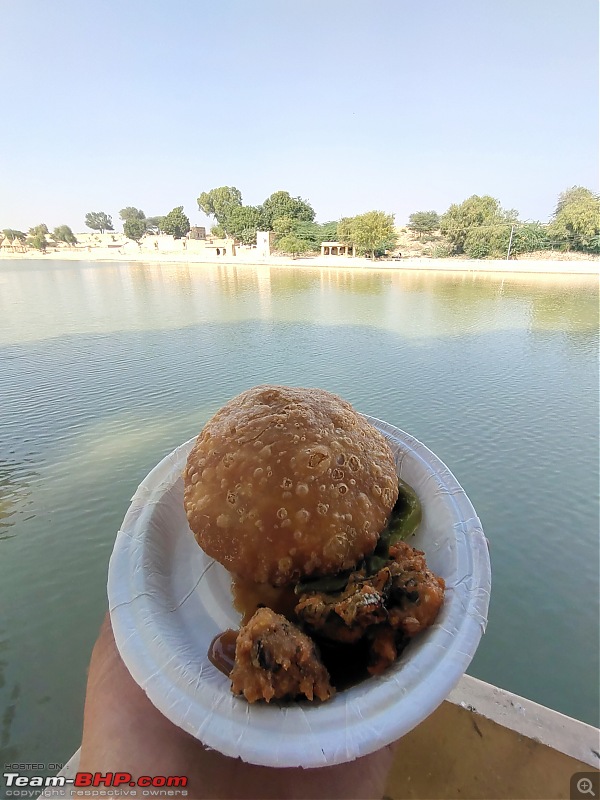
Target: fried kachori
pixel 285 483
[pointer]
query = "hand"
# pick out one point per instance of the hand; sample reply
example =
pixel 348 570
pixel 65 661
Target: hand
pixel 124 732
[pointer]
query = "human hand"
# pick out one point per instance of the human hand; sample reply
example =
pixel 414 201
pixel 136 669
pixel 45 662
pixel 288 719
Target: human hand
pixel 124 732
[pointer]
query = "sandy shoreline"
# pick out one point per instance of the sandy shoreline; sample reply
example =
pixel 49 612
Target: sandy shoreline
pixel 449 265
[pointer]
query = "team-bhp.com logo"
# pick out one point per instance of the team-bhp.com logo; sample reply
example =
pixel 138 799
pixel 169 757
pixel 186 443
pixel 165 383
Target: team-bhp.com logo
pixel 96 784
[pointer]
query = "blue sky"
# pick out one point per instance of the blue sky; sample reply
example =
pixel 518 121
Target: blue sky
pixel 400 105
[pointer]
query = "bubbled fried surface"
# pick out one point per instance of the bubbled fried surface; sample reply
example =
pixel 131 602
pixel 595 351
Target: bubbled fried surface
pixel 284 483
pixel 275 660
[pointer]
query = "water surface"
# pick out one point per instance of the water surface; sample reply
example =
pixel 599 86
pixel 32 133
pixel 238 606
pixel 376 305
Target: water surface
pixel 105 368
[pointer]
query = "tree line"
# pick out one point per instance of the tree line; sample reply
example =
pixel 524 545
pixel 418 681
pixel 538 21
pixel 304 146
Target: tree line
pixel 480 228
pixel 476 228
pixel 292 219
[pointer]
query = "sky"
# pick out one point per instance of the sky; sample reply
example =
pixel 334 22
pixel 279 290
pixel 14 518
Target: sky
pixel 353 105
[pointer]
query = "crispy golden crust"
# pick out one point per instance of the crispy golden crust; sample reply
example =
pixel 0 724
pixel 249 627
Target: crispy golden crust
pixel 275 660
pixel 284 483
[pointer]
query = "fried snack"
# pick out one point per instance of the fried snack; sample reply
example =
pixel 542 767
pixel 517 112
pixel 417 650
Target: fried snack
pixel 275 660
pixel 416 594
pixel 285 483
pixel 387 608
pixel 345 616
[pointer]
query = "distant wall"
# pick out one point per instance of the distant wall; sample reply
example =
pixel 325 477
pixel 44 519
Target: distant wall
pixel 264 243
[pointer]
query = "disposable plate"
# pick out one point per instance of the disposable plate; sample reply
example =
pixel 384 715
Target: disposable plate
pixel 168 600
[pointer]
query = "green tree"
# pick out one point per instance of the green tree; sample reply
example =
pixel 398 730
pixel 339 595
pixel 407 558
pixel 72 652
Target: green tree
pixel 283 225
pixel 594 245
pixel 40 230
pixel 134 228
pixel 99 221
pixel 372 232
pixel 38 240
pixel 130 212
pixel 487 241
pixel 12 234
pixel 292 245
pixel 474 212
pixel 281 204
pixel 218 231
pixel 219 202
pixel 424 222
pixel 344 231
pixel 311 233
pixel 242 222
pixel 576 221
pixel 64 234
pixel 153 224
pixel 175 223
pixel 529 238
pixel 575 194
pixel 328 232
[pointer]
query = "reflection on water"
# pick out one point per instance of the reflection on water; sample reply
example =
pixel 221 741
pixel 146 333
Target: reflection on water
pixel 53 299
pixel 14 493
pixel 107 367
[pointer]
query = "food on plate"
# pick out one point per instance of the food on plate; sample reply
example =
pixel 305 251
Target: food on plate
pixel 386 608
pixel 297 495
pixel 274 659
pixel 284 483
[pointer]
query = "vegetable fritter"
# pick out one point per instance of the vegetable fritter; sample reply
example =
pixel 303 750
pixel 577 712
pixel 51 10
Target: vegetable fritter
pixel 387 608
pixel 275 660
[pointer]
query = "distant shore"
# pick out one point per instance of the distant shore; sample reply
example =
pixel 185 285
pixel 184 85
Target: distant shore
pixel 575 266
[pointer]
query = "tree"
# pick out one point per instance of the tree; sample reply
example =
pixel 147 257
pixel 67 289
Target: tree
pixel 344 231
pixel 176 223
pixel 134 228
pixel 283 225
pixel 130 212
pixel 372 232
pixel 424 222
pixel 473 212
pixel 218 202
pixel 328 232
pixel 576 220
pixel 99 221
pixel 292 245
pixel 39 230
pixel 64 234
pixel 529 238
pixel 38 240
pixel 242 222
pixel 281 204
pixel 12 234
pixel 311 233
pixel 575 194
pixel 487 241
pixel 153 224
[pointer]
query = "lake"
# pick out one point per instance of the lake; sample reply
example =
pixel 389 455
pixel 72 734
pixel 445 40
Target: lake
pixel 105 368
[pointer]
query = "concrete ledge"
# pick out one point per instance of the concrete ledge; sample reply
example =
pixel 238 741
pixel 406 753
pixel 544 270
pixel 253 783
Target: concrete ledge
pixel 481 743
pixel 564 734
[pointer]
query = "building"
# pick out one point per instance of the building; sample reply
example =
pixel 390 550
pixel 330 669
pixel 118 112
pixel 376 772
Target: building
pixel 337 249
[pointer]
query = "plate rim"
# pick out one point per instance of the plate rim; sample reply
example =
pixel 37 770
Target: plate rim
pixel 163 478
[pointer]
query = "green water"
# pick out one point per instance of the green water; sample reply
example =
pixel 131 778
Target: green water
pixel 104 368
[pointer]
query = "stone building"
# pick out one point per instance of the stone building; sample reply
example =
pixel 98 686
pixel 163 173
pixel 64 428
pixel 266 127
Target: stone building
pixel 337 249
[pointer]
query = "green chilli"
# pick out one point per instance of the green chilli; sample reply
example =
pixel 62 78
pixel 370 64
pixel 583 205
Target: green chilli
pixel 404 520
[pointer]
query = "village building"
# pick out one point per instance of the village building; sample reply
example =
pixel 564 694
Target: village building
pixel 337 249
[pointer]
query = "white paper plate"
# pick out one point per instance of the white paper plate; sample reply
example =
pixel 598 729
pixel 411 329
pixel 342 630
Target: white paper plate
pixel 168 600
